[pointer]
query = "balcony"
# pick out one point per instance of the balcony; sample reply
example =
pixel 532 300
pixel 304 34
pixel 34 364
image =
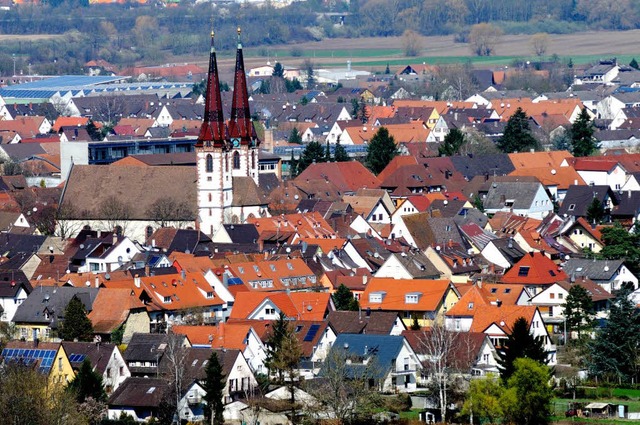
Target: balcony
pixel 194 399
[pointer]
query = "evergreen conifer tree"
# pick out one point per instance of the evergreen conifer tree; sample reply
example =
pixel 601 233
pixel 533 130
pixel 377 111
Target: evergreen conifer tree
pixel 214 384
pixel 583 143
pixel 340 153
pixel 520 343
pixel 517 135
pixel 313 152
pixel 452 143
pixel 87 383
pixel 634 64
pixel 380 150
pixel 76 324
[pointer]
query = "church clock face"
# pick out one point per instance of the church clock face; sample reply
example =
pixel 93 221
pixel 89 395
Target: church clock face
pixel 235 142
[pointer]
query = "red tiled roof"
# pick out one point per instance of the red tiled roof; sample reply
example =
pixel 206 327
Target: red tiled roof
pixel 534 268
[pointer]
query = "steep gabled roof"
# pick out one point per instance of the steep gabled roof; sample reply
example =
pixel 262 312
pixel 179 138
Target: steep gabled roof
pixel 534 269
pixel 430 294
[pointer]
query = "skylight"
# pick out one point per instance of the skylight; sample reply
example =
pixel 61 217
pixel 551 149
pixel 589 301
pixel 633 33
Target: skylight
pixel 523 271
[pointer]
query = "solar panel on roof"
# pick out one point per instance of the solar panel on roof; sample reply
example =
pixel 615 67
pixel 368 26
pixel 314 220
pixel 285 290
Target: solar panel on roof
pixel 311 333
pixel 234 281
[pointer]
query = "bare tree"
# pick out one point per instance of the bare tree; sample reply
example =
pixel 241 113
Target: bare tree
pixel 66 220
pixel 446 353
pixel 343 391
pixel 483 39
pixel 411 43
pixel 540 43
pixel 115 214
pixel 458 80
pixel 109 109
pixel 166 210
pixel 174 358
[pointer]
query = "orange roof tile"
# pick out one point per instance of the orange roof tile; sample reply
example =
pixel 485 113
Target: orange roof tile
pixel 306 225
pixel 111 308
pixel 299 305
pixel 551 159
pixel 231 336
pixel 504 316
pixel 326 245
pixel 431 294
pixel 562 177
pixel 63 121
pixel 534 269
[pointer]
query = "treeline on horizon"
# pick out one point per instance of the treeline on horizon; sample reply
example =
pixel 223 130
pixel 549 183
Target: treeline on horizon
pixel 125 34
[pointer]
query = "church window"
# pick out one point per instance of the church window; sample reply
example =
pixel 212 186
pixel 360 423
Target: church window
pixel 236 160
pixel 209 164
pixel 253 159
pixel 226 162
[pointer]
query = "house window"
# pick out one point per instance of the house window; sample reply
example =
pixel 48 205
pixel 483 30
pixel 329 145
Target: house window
pixel 121 371
pixel 552 296
pixel 108 372
pixel 209 163
pixel 226 162
pixel 167 300
pixel 59 364
pixel 560 296
pixel 209 294
pixel 236 160
pixel 149 231
pixel 253 159
pixel 523 271
pixel 411 299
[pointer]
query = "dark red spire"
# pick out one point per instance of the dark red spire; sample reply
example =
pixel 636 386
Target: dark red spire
pixel 240 125
pixel 213 128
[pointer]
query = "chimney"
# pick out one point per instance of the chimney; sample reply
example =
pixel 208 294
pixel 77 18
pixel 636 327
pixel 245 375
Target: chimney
pixel 146 270
pixel 183 274
pixel 136 280
pixel 499 302
pixel 479 283
pixel 364 279
pixel 97 282
pixel 221 330
pixel 115 237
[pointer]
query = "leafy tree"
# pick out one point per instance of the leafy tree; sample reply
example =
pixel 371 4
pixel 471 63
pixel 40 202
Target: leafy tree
pixel 76 324
pixel 540 43
pixel 452 143
pixel 483 39
pixel 295 136
pixel 380 150
pixel 478 204
pixel 614 352
pixel 265 87
pixel 343 299
pixel 578 310
pixel 622 244
pixel 527 400
pixel 483 400
pixel 292 85
pixel 415 325
pixel 411 43
pixel 214 384
pixel 355 107
pixel 340 153
pixel 595 211
pixel 87 384
pixel 517 135
pixel 312 153
pixel 634 64
pixel 583 143
pixel 278 70
pixel 520 343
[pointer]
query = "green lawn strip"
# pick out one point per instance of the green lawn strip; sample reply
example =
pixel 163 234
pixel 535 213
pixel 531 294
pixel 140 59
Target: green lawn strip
pixel 576 421
pixel 413 414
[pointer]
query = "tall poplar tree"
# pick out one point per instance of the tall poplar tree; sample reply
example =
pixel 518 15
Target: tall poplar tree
pixel 380 150
pixel 517 136
pixel 583 142
pixel 214 384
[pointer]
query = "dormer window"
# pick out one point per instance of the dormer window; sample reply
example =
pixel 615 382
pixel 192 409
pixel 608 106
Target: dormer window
pixel 470 306
pixel 523 271
pixel 167 300
pixel 412 298
pixel 241 270
pixel 290 266
pixel 210 294
pixel 572 207
pixel 377 297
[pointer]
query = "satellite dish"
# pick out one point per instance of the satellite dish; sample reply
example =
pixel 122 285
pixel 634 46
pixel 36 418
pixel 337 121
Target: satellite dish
pixel 606 268
pixel 81 246
pixel 309 307
pixel 288 250
pixel 445 202
pixel 553 172
pixel 107 276
pixel 87 283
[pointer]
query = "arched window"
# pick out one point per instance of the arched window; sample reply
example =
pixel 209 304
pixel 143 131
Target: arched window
pixel 226 162
pixel 236 160
pixel 209 163
pixel 210 197
pixel 253 159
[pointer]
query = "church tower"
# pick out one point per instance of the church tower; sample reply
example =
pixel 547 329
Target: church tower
pixel 215 182
pixel 224 151
pixel 244 140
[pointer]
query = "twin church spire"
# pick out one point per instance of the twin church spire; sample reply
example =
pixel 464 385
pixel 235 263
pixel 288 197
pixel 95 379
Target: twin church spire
pixel 214 130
